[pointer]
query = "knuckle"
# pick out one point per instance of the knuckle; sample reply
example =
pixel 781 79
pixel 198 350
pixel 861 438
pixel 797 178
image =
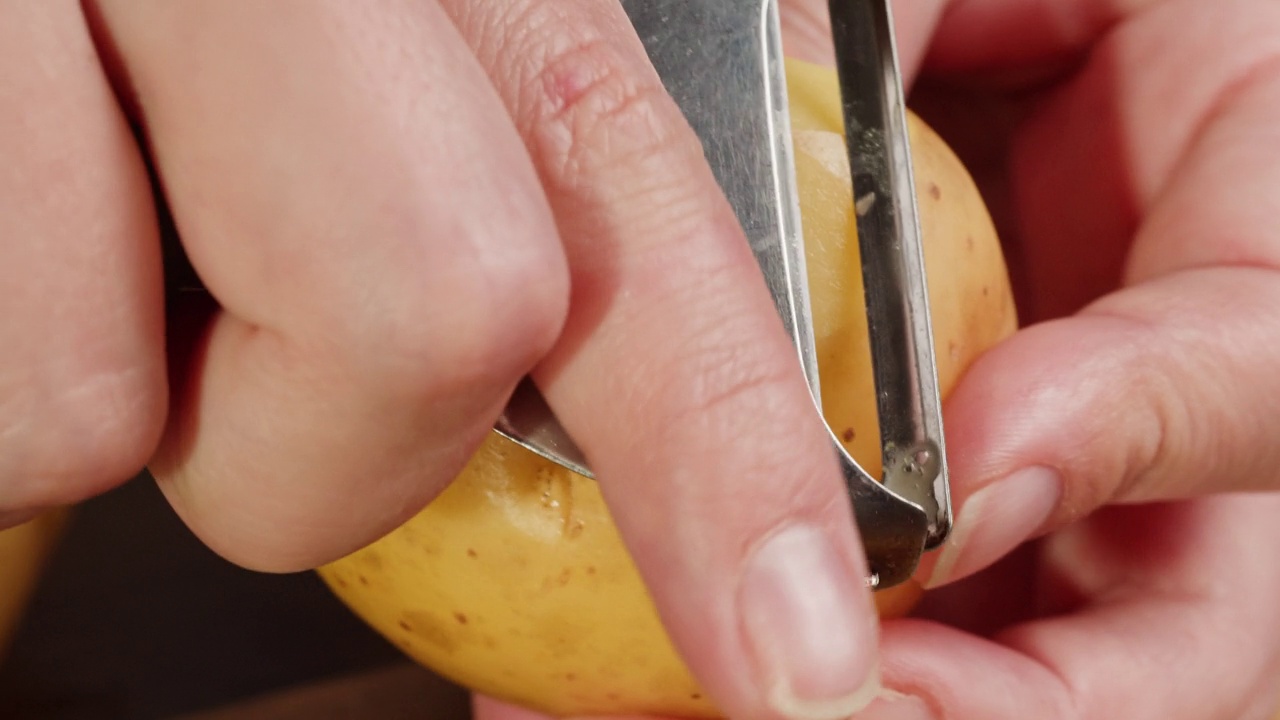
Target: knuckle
pixel 593 107
pixel 83 439
pixel 474 322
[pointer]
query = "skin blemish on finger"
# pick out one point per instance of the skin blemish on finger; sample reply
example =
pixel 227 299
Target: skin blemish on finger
pixel 568 81
pixel 587 80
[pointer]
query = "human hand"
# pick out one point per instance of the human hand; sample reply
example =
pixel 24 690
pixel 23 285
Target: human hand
pixel 1130 154
pixel 398 209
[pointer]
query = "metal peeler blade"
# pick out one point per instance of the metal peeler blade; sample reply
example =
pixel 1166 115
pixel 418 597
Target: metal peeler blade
pixel 722 61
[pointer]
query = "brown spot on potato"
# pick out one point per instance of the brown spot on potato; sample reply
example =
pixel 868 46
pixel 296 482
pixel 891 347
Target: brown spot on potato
pixel 560 636
pixel 363 580
pixel 565 575
pixel 461 617
pixel 570 677
pixel 431 630
pixel 404 625
pixel 934 191
pixel 591 569
pixel 848 435
pixel 986 291
pixel 968 243
pixel 471 552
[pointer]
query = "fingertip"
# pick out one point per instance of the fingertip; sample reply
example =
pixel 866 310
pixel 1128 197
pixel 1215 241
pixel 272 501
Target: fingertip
pixel 811 624
pixel 14 518
pixel 995 520
pixel 1016 424
pixel 84 432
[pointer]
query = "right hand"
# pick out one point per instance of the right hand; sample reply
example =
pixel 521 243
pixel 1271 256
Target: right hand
pixel 401 208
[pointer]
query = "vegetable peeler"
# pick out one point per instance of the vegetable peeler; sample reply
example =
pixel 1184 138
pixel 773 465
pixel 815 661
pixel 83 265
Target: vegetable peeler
pixel 722 61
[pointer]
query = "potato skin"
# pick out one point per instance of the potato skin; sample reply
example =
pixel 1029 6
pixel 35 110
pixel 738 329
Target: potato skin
pixel 514 581
pixel 23 552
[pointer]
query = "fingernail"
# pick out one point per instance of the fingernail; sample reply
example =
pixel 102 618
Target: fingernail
pixel 997 519
pixel 896 706
pixel 811 625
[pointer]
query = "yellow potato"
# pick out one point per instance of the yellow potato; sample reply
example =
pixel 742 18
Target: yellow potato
pixel 514 582
pixel 23 551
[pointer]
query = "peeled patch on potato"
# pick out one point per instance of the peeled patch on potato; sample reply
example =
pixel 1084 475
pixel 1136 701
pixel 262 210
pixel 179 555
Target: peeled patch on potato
pixel 515 583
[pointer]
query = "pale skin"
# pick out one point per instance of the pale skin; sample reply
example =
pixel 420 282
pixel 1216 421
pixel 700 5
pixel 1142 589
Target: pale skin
pixel 402 207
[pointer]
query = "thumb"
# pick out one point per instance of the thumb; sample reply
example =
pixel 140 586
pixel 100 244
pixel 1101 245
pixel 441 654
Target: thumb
pixel 1163 391
pixel 806 31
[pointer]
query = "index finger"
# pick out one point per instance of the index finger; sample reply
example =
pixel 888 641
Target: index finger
pixel 676 376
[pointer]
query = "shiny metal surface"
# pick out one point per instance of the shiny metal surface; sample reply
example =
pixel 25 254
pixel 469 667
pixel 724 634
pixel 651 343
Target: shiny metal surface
pixel 909 403
pixel 529 421
pixel 722 62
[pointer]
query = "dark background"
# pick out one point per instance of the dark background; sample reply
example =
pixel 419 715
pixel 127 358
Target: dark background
pixel 134 618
